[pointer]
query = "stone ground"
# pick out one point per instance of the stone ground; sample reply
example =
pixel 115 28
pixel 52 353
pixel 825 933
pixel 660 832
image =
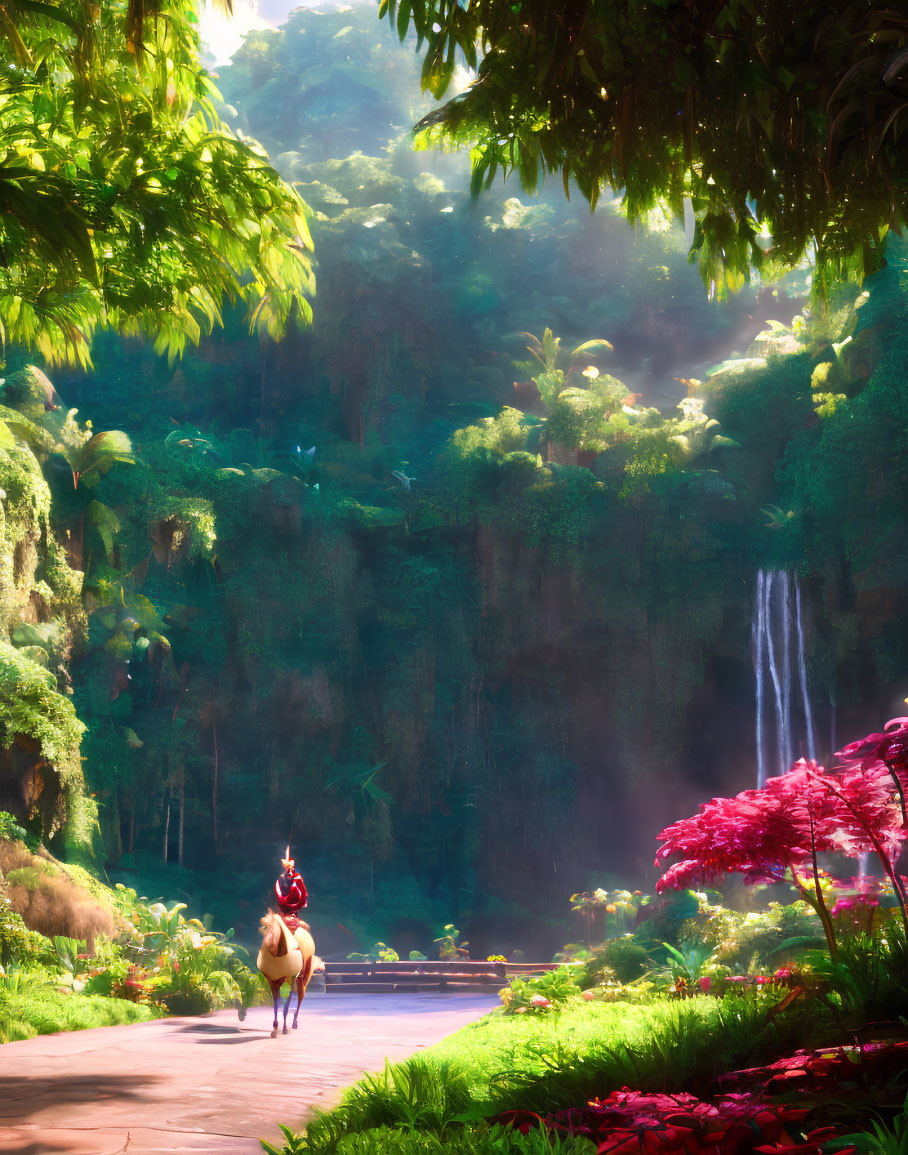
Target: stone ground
pixel 210 1084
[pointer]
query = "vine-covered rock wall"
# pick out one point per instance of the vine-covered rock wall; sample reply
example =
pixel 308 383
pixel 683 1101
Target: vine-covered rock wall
pixel 42 615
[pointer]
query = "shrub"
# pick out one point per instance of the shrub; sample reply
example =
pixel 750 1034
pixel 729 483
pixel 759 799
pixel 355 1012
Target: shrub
pixel 626 957
pixel 541 993
pixel 192 969
pixel 380 952
pixel 447 944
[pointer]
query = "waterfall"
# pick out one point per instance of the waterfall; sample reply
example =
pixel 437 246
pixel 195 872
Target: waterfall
pixel 777 638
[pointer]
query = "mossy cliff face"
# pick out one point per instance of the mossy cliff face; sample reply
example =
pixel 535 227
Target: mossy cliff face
pixel 462 679
pixel 40 614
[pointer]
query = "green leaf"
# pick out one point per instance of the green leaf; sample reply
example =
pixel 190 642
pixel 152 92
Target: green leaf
pixel 592 346
pixel 403 18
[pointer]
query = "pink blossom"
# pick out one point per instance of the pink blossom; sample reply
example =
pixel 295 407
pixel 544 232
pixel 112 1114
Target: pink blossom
pixel 769 833
pixel 891 746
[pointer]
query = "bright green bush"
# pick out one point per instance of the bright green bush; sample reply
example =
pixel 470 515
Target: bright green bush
pixel 17 942
pixel 626 957
pixel 749 940
pixel 192 969
pixel 33 1007
pixel 542 993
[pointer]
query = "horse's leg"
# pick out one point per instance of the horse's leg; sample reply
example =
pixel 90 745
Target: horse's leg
pixel 302 981
pixel 276 995
pixel 287 1004
pixel 299 999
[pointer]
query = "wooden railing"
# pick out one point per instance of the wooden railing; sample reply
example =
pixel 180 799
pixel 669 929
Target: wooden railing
pixel 451 975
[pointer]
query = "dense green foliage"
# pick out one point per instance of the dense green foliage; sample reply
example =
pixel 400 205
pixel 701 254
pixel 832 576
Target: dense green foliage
pixel 782 126
pixel 453 592
pixel 420 589
pixel 123 199
pixel 133 961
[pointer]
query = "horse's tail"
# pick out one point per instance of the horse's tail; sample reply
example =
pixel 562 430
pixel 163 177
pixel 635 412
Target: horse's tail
pixel 306 972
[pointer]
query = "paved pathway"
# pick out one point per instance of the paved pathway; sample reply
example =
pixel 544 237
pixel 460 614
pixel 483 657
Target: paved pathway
pixel 211 1084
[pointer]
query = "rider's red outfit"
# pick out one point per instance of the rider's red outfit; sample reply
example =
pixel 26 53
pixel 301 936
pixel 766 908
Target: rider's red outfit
pixel 290 892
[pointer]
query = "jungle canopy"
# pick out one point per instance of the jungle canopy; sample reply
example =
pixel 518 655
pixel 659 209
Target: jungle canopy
pixel 783 125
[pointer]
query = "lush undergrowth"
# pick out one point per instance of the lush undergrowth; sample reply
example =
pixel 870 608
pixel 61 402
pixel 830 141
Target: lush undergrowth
pixel 130 959
pixel 449 1094
pixel 30 1006
pixel 700 1052
pixel 594 1049
pixel 471 1139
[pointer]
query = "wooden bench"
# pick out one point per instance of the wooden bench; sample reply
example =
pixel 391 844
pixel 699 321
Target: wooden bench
pixel 428 975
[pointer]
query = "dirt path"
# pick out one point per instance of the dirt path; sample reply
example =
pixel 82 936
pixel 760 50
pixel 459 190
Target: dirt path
pixel 209 1084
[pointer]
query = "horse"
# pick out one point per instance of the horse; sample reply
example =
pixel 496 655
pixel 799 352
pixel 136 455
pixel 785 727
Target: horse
pixel 285 956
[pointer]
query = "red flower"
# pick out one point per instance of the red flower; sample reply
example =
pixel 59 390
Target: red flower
pixel 633 1121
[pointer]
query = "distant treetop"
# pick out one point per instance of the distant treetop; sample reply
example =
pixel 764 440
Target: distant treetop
pixel 784 125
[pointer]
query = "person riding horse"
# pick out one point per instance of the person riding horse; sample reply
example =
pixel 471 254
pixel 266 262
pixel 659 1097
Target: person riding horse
pixel 288 952
pixel 291 894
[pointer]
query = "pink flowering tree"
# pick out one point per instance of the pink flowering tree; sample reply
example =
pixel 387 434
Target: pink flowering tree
pixel 776 833
pixel 889 749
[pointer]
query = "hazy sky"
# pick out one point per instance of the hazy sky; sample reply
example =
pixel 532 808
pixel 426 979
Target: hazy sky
pixel 223 37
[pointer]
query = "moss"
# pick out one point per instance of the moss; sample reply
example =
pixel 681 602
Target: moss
pixel 24 511
pixel 28 876
pixel 30 704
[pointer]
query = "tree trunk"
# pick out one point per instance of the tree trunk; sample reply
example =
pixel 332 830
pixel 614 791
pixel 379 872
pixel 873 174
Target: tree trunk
pixel 214 790
pixel 166 831
pixel 182 796
pixel 119 827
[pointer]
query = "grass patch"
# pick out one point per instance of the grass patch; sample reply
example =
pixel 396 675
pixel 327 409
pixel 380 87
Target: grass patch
pixel 24 1014
pixel 546 1062
pixel 477 1139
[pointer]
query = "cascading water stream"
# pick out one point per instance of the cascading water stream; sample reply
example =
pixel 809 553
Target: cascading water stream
pixel 777 638
pixel 788 730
